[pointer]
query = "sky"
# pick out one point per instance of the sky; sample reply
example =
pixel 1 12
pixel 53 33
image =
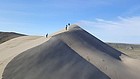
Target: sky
pixel 109 20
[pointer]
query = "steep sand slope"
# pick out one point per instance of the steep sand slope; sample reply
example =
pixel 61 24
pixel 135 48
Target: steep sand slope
pixel 120 70
pixel 100 54
pixel 11 48
pixel 52 60
pixel 73 54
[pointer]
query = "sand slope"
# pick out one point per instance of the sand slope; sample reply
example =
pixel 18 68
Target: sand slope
pixel 72 54
pixel 5 36
pixel 10 49
pixel 52 60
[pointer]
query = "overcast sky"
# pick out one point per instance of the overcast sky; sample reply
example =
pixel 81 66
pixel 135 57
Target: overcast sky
pixel 109 20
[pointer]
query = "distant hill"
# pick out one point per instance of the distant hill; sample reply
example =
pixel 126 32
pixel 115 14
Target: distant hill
pixel 5 36
pixel 124 46
pixel 132 50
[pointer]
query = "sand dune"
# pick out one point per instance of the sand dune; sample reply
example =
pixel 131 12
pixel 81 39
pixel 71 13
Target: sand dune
pixel 71 54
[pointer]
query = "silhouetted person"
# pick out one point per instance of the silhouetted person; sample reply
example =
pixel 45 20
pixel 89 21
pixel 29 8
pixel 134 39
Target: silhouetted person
pixel 68 24
pixel 66 27
pixel 46 35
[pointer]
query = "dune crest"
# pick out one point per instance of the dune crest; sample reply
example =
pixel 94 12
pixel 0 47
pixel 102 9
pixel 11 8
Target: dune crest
pixel 72 54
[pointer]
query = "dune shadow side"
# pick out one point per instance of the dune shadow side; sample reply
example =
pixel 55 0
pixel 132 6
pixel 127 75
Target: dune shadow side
pixel 51 60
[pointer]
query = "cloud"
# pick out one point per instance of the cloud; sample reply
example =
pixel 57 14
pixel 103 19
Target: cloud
pixel 122 30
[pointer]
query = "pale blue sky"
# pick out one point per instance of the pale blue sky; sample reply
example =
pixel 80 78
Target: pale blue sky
pixel 106 19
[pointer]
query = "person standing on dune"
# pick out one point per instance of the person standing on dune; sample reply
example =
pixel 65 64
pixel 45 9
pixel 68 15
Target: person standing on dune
pixel 66 27
pixel 46 35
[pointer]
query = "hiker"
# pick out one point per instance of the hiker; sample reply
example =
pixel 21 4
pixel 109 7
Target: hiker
pixel 46 35
pixel 66 27
pixel 68 24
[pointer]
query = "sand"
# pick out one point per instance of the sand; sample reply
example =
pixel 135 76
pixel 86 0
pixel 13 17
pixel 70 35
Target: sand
pixel 71 54
pixel 12 48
